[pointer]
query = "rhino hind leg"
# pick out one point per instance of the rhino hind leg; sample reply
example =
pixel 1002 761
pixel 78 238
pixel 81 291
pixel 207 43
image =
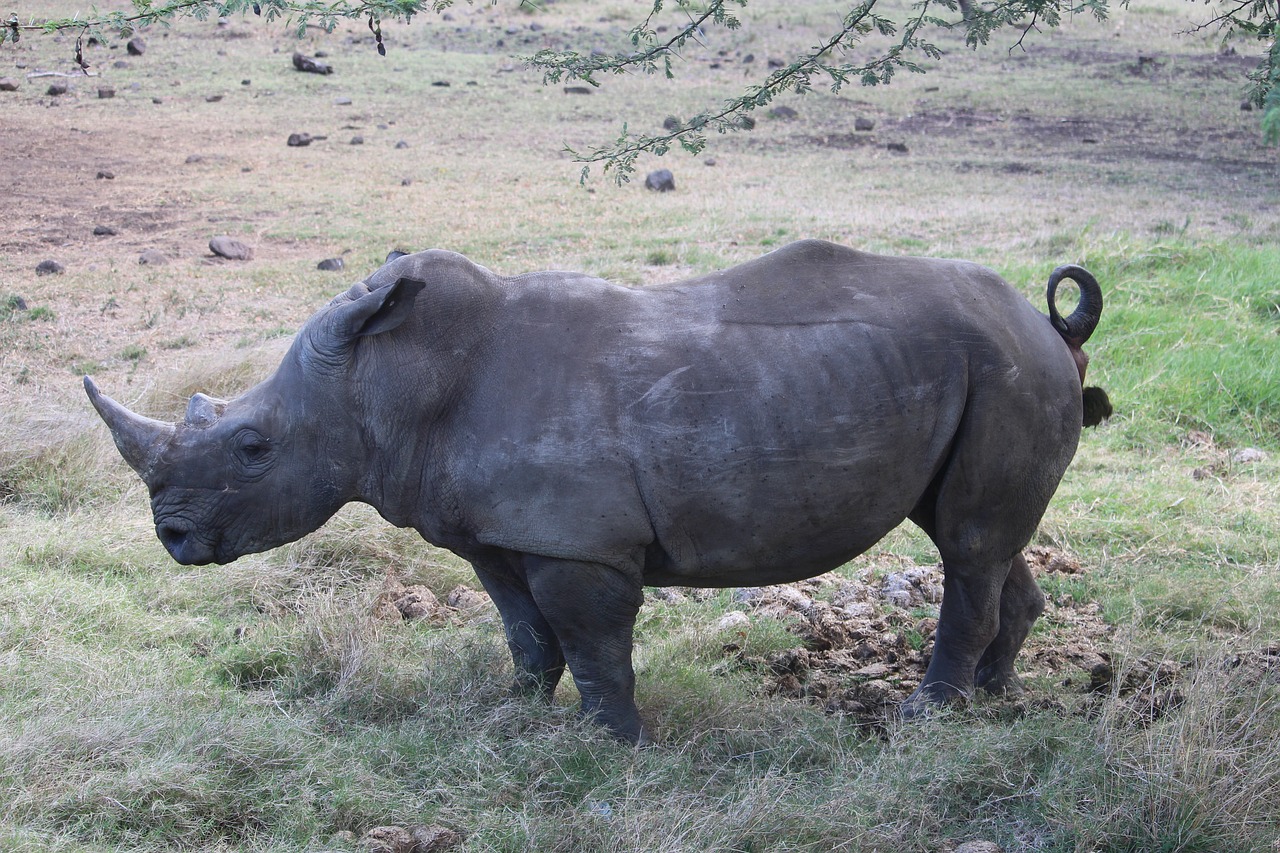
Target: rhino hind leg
pixel 535 649
pixel 592 609
pixel 1021 603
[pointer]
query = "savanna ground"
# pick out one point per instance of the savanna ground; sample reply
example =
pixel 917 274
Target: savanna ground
pixel 285 702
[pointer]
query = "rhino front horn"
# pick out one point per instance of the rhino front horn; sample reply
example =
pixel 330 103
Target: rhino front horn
pixel 138 439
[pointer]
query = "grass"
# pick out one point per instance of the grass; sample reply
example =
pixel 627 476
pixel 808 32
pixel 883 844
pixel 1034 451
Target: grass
pixel 267 706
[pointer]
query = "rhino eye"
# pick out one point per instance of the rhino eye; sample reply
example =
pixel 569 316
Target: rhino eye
pixel 251 448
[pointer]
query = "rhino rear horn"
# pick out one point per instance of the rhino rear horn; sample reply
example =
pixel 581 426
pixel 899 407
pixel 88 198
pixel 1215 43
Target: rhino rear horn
pixel 139 440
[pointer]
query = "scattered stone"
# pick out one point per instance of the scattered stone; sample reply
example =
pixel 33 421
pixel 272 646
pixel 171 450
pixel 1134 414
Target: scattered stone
pixel 671 123
pixel 660 181
pixel 535 27
pixel 305 63
pixel 710 161
pixel 342 102
pixel 194 158
pixel 322 54
pixel 748 59
pixel 979 847
pixel 466 600
pixel 136 47
pixel 1249 455
pixel 50 267
pixel 406 182
pixel 1246 106
pixel 246 82
pixel 56 89
pixel 104 231
pixel 784 113
pixel 106 175
pixel 8 84
pixel 157 100
pixel 212 99
pixel 330 264
pixel 776 63
pixel 231 249
pixel 417 602
pixel 17 303
pixel 864 125
pixel 402 144
pixel 153 258
pixel 747 123
pixel 897 147
pixel 105 92
pixel 578 90
pixel 442 84
pixel 357 140
pixel 732 621
pixel 299 140
pixel 120 63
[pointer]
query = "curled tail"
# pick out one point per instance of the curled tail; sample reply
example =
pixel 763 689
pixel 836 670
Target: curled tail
pixel 1076 329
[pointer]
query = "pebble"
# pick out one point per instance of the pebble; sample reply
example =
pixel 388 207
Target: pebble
pixel 863 125
pixel 105 92
pixel 136 47
pixel 56 89
pixel 104 231
pixel 8 84
pixel 660 180
pixel 50 267
pixel 330 264
pixel 153 258
pixel 231 249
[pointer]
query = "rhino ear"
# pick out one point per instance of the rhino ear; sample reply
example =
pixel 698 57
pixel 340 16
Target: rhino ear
pixel 380 310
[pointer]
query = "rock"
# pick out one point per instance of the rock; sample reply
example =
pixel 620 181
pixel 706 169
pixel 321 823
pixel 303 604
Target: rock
pixel 748 59
pixel 231 249
pixel 8 84
pixel 120 63
pixel 418 602
pixel 776 63
pixel 897 147
pixel 435 839
pixel 342 102
pixel 660 181
pixel 136 47
pixel 305 63
pixel 56 89
pixel 104 231
pixel 106 175
pixel 979 847
pixel 466 599
pixel 406 182
pixel 863 125
pixel 194 158
pixel 213 99
pixel 671 123
pixel 402 144
pixel 1245 106
pixel 50 267
pixel 747 123
pixel 153 258
pixel 298 140
pixel 710 161
pixel 330 264
pixel 784 113
pixel 16 303
pixel 357 140
pixel 734 620
pixel 1249 455
pixel 105 92
pixel 578 90
pixel 442 84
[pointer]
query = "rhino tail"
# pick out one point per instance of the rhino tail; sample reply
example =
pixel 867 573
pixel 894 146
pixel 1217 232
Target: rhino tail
pixel 1076 328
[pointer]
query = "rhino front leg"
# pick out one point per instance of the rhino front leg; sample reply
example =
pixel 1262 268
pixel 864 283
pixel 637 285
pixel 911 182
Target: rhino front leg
pixel 592 609
pixel 1021 603
pixel 535 650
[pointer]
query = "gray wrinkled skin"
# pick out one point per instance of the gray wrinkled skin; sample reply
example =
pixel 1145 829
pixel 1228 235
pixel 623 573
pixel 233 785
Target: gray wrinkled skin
pixel 576 441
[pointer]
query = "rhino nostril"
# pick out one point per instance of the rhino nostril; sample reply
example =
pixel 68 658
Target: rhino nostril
pixel 171 537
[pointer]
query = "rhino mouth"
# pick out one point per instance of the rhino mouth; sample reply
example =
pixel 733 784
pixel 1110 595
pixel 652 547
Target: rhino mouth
pixel 184 544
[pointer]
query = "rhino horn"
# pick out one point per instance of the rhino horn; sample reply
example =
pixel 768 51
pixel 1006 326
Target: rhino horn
pixel 140 440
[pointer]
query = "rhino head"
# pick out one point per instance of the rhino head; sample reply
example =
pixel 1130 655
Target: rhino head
pixel 270 466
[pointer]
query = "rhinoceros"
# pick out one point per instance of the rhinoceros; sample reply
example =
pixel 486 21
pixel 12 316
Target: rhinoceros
pixel 577 440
